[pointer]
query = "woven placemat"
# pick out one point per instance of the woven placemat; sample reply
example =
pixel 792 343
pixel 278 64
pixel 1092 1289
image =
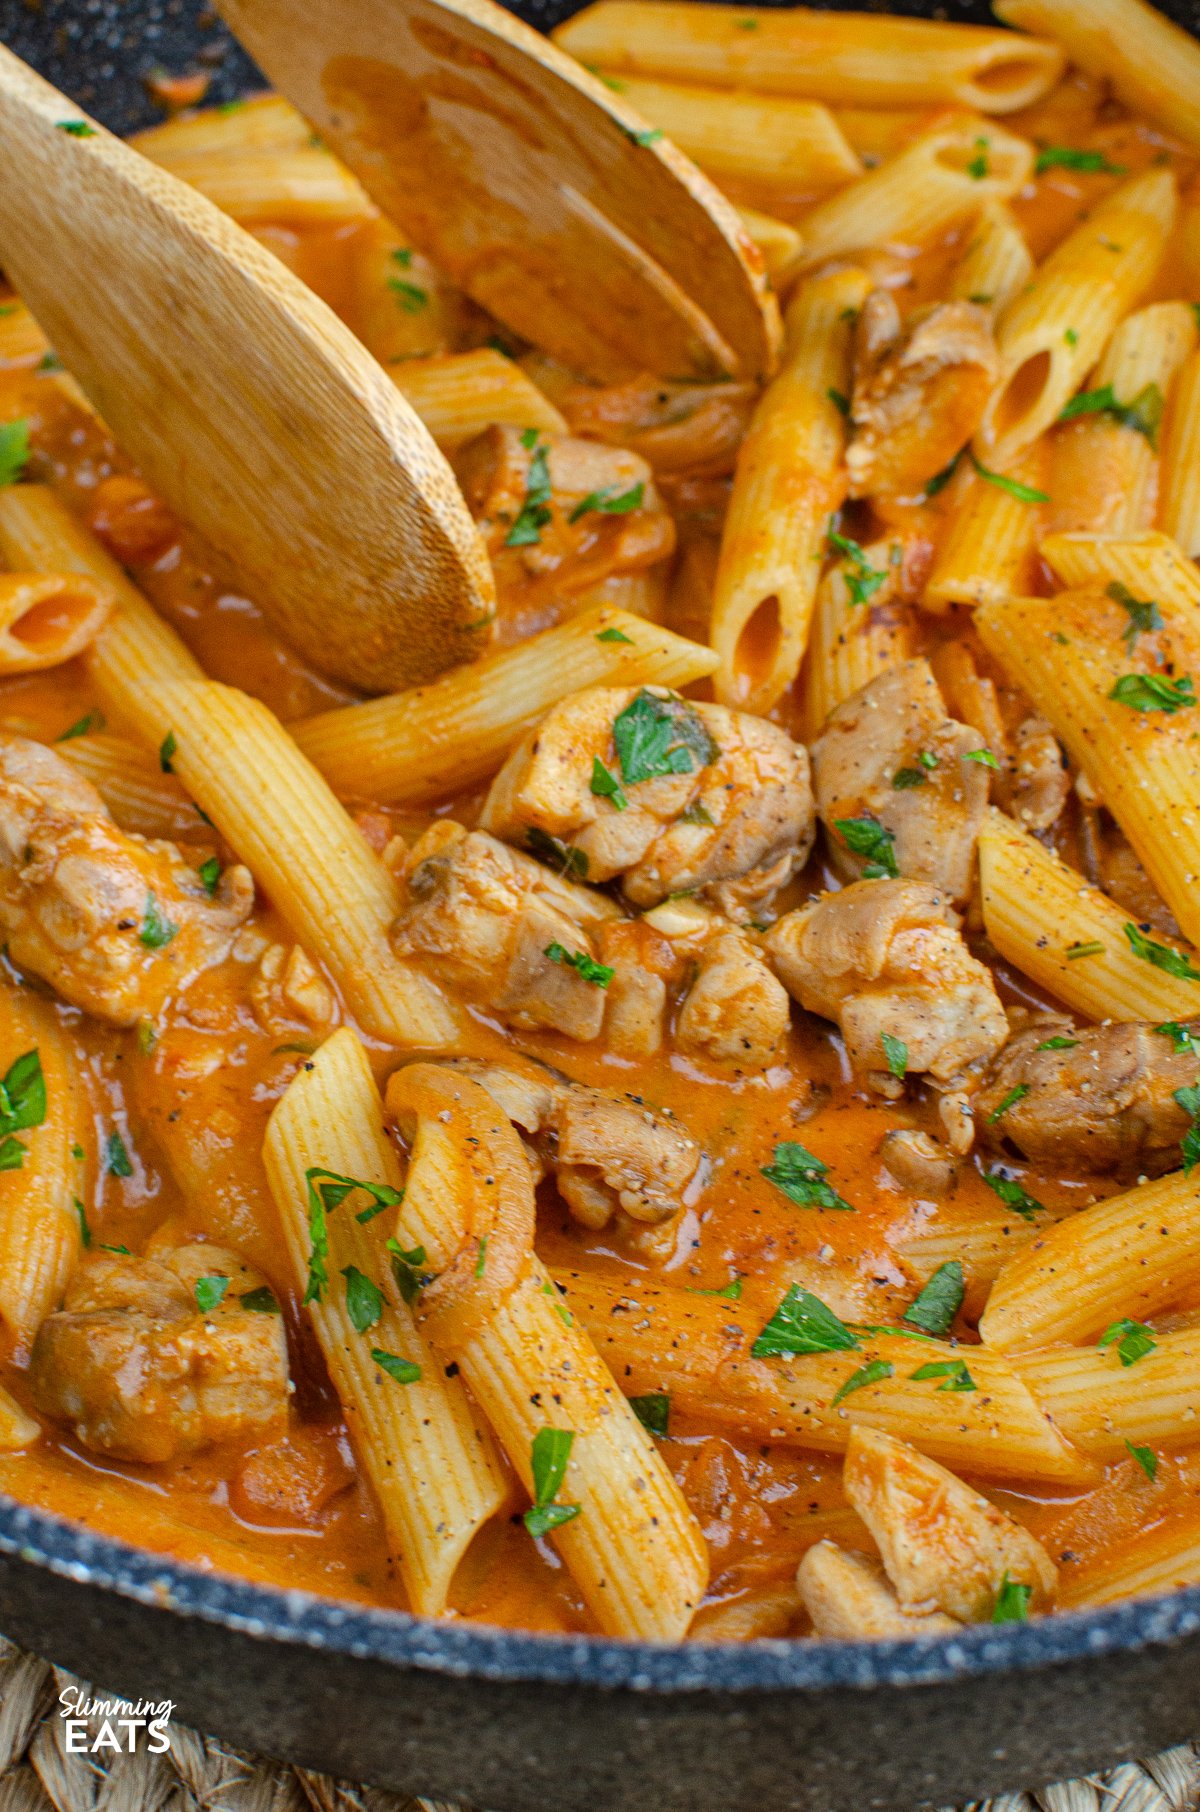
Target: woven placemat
pixel 38 1773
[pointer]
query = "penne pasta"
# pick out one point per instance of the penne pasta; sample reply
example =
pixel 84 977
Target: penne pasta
pixel 48 618
pixel 40 1178
pixel 990 550
pixel 1070 938
pixel 1131 1255
pixel 945 176
pixel 261 122
pixel 1161 1561
pixel 133 786
pixel 431 1463
pixel 760 138
pixel 460 394
pixel 1054 331
pixel 17 1430
pixel 778 242
pixel 1144 563
pixel 851 642
pixel 696 1349
pixel 416 746
pixel 997 263
pixel 1179 512
pixel 855 59
pixel 789 479
pixel 1072 656
pixel 252 183
pixel 981 1243
pixel 1102 1404
pixel 633 1546
pixel 1152 65
pixel 876 133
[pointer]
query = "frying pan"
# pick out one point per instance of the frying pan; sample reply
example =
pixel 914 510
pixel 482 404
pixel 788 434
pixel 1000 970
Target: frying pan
pixel 529 1723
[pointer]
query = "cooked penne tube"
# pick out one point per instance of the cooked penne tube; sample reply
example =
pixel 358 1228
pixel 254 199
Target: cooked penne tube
pixel 876 133
pixel 1052 334
pixel 633 1546
pixel 17 1430
pixel 696 1349
pixel 1131 1255
pixel 416 746
pixel 274 809
pixel 945 176
pixel 1127 725
pixel 135 650
pixel 1101 1403
pixel 760 137
pixel 852 58
pixel 303 184
pixel 262 122
pixel 132 785
pixel 789 479
pixel 1161 1561
pixel 997 263
pixel 40 1179
pixel 401 308
pixel 1070 938
pixel 990 550
pixel 1147 564
pixel 22 342
pixel 778 242
pixel 982 1244
pixel 850 642
pixel 48 618
pixel 430 1460
pixel 1179 511
pixel 460 394
pixel 1152 65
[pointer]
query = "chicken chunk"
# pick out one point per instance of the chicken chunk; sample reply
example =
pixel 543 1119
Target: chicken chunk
pixel 670 796
pixel 692 428
pixel 141 1371
pixel 564 511
pixel 892 765
pixel 1102 1101
pixel 606 1153
pixel 113 922
pixel 920 389
pixel 944 1547
pixel 888 957
pixel 849 1599
pixel 1041 779
pixel 502 931
pixel 736 1010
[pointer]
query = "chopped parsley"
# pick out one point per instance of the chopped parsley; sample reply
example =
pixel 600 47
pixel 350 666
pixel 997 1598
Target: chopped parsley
pixel 862 579
pixel 934 1309
pixel 984 757
pixel 731 1292
pixel 548 1455
pixel 166 752
pixel 1068 157
pixel 364 1300
pixel 1153 692
pixel 400 1371
pixel 1015 1094
pixel 585 966
pixel 327 1190
pixel 480 1258
pixel 535 512
pixel 1182 1037
pixel 941 479
pixel 649 136
pixel 117 1161
pixel 1070 336
pixel 564 856
pixel 840 400
pixel 653 1411
pixel 1012 1194
pixel 156 928
pixel 895 1052
pixel 1146 1458
pixel 1012 1602
pixel 1132 1340
pixel 803 1324
pixel 83 726
pixel 613 635
pixel 1144 413
pixel 977 169
pixel 866 836
pixel 210 875
pixel 954 1371
pixel 609 502
pixel 1189 1100
pixel 210 1293
pixel 904 779
pixel 801 1177
pixel 1171 962
pixel 605 785
pixel 696 813
pixel 1074 951
pixel 85 1232
pixel 658 736
pixel 261 1301
pixel 1060 1044
pixel 1024 493
pixel 22 1105
pixel 411 297
pixel 873 1372
pixel 408 1269
pixel 14 450
pixel 76 128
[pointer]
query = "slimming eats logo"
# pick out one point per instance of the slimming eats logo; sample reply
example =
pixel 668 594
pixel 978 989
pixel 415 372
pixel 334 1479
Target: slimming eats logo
pixel 120 1720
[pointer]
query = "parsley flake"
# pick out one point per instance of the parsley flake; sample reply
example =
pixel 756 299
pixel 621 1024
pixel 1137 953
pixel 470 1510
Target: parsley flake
pixel 1154 692
pixel 548 1456
pixel 1132 1340
pixel 327 1190
pixel 535 512
pixel 156 928
pixel 167 750
pixel 400 1371
pixel 1024 493
pixel 1171 962
pixel 933 1310
pixel 585 966
pixel 1067 157
pixel 1146 1458
pixel 658 736
pixel 1182 1037
pixel 866 836
pixel 895 1052
pixel 609 502
pixel 613 635
pixel 14 450
pixel 1059 1044
pixel 364 1300
pixel 210 875
pixel 411 297
pixel 564 856
pixel 954 1371
pixel 408 1269
pixel 117 1161
pixel 862 579
pixel 731 1292
pixel 261 1301
pixel 873 1372
pixel 76 128
pixel 1012 1194
pixel 801 1177
pixel 1074 951
pixel 605 785
pixel 210 1293
pixel 1010 1100
pixel 1012 1601
pixel 802 1324
pixel 83 726
pixel 653 1411
pixel 1189 1100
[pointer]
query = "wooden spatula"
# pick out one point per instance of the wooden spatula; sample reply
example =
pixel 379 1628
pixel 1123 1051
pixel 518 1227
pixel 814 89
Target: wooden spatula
pixel 242 398
pixel 537 189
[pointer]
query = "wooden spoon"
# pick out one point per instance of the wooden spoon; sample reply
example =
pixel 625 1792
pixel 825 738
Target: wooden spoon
pixel 533 186
pixel 243 400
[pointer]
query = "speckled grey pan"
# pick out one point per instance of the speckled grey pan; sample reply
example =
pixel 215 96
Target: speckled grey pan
pixel 551 1724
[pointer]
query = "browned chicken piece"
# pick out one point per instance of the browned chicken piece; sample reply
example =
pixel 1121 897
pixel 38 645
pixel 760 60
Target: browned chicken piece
pixel 888 957
pixel 606 1153
pixel 944 1547
pixel 113 922
pixel 920 388
pixel 645 968
pixel 892 763
pixel 567 511
pixel 735 1010
pixel 693 428
pixel 849 1599
pixel 1041 779
pixel 1103 1102
pixel 671 796
pixel 917 1162
pixel 142 1371
pixel 502 930
pixel 289 992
